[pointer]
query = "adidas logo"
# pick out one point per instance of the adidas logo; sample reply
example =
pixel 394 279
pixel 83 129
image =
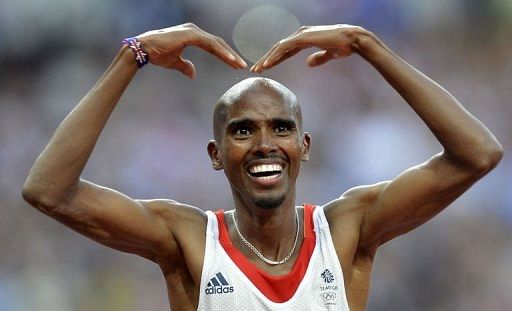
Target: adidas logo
pixel 218 285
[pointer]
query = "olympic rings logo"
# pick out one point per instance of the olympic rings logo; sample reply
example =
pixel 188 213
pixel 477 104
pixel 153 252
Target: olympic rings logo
pixel 329 296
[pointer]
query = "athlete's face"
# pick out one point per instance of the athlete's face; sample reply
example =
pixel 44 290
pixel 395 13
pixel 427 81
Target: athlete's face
pixel 261 147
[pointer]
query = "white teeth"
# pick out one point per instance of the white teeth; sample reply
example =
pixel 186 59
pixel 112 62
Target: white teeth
pixel 266 168
pixel 267 177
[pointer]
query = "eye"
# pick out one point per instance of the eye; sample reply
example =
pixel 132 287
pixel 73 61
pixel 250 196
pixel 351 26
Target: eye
pixel 242 131
pixel 282 129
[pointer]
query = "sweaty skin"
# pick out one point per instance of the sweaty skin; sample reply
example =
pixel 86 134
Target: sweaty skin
pixel 256 122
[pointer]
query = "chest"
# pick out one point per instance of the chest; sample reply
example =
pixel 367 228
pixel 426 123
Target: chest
pixel 315 282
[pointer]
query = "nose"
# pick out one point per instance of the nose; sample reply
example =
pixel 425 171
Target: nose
pixel 265 144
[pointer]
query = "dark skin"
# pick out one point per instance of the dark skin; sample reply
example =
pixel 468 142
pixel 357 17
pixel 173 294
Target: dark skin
pixel 270 133
pixel 261 124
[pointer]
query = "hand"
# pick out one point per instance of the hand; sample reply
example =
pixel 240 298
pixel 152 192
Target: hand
pixel 165 47
pixel 334 40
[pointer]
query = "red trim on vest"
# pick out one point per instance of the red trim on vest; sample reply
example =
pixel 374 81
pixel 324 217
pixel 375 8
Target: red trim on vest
pixel 277 288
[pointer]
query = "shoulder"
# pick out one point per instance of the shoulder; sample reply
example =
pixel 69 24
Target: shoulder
pixel 354 201
pixel 184 223
pixel 174 214
pixel 346 215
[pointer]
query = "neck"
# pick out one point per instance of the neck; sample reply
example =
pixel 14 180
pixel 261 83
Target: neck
pixel 271 231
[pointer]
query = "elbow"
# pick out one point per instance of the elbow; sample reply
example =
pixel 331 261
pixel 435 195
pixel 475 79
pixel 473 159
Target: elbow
pixel 38 196
pixel 488 159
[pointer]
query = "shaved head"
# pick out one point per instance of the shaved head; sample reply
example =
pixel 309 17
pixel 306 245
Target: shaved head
pixel 243 91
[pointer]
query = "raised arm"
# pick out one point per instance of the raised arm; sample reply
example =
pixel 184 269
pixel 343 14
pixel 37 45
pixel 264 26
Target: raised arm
pixel 391 208
pixel 107 216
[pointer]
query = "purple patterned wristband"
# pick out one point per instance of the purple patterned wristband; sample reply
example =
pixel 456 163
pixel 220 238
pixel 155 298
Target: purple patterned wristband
pixel 141 57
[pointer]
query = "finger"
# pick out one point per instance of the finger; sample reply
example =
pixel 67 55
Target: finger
pixel 287 47
pixel 239 59
pixel 186 67
pixel 285 57
pixel 320 57
pixel 278 53
pixel 207 43
pixel 216 46
pixel 259 62
pixel 296 36
pixel 264 61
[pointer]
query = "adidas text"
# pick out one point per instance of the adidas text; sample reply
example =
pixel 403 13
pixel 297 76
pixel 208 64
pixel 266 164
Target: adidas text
pixel 219 290
pixel 218 285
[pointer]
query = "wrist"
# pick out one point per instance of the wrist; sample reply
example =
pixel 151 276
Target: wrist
pixel 364 42
pixel 123 62
pixel 126 57
pixel 140 55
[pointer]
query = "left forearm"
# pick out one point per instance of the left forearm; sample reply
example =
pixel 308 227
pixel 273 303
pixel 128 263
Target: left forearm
pixel 464 138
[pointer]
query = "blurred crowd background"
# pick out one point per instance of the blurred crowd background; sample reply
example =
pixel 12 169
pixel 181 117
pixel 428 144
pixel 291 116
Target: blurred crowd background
pixel 52 52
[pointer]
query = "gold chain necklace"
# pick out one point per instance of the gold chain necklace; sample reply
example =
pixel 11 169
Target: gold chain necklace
pixel 260 255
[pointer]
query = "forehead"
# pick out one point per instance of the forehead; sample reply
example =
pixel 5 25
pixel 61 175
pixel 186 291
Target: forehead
pixel 260 105
pixel 255 99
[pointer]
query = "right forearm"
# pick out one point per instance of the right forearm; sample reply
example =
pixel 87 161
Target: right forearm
pixel 57 169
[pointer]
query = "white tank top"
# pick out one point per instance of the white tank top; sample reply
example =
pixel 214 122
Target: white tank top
pixel 230 282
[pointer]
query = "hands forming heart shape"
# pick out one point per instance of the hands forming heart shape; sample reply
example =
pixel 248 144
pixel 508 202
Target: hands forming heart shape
pixel 165 46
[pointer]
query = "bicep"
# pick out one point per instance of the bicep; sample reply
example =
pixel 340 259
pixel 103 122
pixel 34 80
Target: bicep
pixel 413 197
pixel 118 221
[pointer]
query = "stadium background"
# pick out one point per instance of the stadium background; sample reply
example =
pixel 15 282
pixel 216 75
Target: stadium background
pixel 52 52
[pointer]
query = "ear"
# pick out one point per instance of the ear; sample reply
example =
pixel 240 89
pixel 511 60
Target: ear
pixel 213 152
pixel 306 143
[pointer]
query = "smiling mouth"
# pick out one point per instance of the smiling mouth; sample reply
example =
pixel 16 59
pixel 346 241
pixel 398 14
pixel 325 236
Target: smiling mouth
pixel 266 171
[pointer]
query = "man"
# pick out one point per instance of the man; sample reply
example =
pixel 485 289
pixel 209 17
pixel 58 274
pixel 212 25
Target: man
pixel 266 253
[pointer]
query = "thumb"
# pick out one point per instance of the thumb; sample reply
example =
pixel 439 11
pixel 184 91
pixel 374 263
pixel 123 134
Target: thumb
pixel 319 58
pixel 186 67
